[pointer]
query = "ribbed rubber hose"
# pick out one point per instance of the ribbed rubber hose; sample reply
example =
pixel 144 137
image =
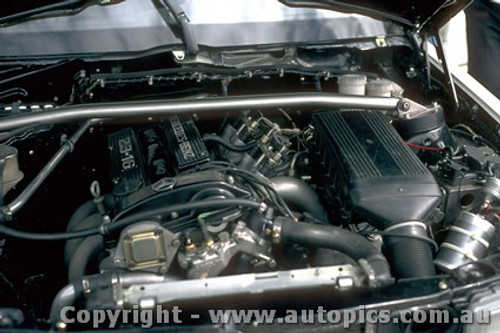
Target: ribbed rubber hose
pixel 409 257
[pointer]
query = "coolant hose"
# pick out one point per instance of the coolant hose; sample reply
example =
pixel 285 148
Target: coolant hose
pixel 335 238
pixel 85 252
pixel 298 194
pixel 410 257
pixel 81 214
pixel 90 222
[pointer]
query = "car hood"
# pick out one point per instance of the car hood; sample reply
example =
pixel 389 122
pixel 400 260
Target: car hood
pixel 417 14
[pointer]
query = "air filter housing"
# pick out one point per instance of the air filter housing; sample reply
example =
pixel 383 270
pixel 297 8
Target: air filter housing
pixel 375 172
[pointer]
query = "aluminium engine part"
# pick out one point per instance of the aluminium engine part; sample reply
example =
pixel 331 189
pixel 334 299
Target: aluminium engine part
pixel 146 246
pixel 378 176
pixel 9 169
pixel 468 240
pixel 429 129
pixel 266 145
pixel 211 258
pixel 122 290
pixel 341 276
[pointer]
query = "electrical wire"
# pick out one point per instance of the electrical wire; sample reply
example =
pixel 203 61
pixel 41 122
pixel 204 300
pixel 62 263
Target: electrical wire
pixel 470 130
pixel 117 225
pixel 264 182
pixel 46 236
pixel 202 204
pixel 228 145
pixel 275 197
pixel 423 147
pixel 475 138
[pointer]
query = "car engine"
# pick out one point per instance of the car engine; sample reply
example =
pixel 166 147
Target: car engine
pixel 206 199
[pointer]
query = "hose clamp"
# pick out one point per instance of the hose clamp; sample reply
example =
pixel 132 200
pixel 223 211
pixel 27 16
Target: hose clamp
pixel 276 234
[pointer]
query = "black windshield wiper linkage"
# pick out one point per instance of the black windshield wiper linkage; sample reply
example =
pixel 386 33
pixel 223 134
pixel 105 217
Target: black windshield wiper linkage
pixel 63 7
pixel 183 22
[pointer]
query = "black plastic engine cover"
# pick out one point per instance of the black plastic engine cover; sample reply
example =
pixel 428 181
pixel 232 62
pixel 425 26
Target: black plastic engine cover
pixel 368 162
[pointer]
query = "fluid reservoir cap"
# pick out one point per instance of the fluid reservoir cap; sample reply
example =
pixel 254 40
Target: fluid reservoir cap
pixel 379 88
pixel 11 174
pixel 352 84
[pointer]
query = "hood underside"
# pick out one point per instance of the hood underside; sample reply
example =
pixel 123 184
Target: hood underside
pixel 418 14
pixel 410 12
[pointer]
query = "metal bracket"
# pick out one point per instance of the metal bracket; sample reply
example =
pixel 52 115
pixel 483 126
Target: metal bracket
pixel 380 41
pixel 408 109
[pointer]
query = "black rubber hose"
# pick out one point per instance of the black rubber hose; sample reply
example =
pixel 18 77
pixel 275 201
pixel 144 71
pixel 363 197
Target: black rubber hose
pixel 336 238
pixel 85 210
pixel 91 222
pixel 86 251
pixel 226 144
pixel 327 236
pixel 409 257
pixel 80 214
pixel 298 194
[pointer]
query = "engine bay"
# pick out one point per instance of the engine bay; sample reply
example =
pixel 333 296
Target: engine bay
pixel 222 196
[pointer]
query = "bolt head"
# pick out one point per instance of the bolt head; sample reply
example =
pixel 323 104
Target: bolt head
pixel 443 285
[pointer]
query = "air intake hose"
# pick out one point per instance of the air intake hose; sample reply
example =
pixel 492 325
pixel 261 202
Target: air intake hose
pixel 334 238
pixel 408 250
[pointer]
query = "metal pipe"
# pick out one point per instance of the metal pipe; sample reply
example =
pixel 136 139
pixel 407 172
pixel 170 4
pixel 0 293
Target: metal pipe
pixel 65 297
pixel 216 104
pixel 67 147
pixel 68 295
